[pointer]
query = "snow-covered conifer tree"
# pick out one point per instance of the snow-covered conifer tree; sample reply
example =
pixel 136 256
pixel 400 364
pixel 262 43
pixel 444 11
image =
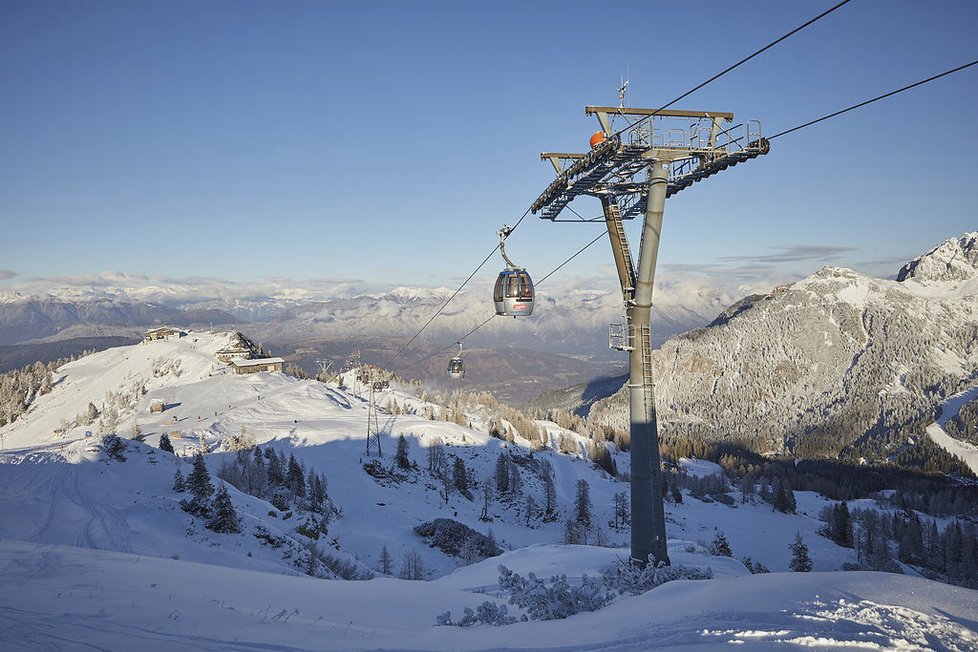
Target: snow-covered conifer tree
pixel 199 482
pixel 582 504
pixel 225 518
pixel 720 547
pixel 401 457
pixel 165 444
pixel 179 485
pixel 800 561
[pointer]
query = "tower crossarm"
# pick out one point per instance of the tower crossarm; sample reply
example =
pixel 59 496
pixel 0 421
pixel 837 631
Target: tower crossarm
pixel 696 144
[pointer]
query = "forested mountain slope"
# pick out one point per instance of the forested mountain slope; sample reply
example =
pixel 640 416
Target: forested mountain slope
pixel 838 364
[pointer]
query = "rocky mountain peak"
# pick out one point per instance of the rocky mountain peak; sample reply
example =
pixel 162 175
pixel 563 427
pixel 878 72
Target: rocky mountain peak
pixel 955 259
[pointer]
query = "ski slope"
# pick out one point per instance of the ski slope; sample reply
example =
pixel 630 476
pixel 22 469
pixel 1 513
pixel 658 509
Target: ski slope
pixel 102 555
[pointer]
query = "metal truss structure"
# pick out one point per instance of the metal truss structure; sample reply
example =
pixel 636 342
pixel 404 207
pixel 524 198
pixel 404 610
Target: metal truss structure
pixel 696 144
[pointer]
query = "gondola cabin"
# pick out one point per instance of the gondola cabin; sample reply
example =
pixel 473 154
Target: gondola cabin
pixel 456 369
pixel 513 294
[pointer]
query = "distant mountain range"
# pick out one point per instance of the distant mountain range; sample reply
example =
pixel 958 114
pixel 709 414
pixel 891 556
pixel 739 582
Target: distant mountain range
pixel 572 322
pixel 838 364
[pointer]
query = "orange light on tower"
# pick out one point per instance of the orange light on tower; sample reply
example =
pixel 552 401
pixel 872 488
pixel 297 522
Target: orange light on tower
pixel 597 139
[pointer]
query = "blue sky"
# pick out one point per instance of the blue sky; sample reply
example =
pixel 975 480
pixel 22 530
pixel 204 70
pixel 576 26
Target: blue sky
pixel 386 142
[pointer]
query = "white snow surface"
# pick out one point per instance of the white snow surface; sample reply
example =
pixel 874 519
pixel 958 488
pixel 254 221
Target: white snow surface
pixel 69 597
pixel 97 553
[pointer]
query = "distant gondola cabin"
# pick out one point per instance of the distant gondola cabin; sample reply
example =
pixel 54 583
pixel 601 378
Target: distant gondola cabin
pixel 456 368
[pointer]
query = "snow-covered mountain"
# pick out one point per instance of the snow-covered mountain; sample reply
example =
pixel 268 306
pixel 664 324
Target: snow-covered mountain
pixel 838 364
pixel 95 539
pixel 953 262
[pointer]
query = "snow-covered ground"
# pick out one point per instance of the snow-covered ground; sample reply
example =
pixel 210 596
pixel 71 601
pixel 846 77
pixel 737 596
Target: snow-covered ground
pixel 101 554
pixel 74 598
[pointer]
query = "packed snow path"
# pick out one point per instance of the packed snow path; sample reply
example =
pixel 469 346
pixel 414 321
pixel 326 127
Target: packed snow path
pixel 964 451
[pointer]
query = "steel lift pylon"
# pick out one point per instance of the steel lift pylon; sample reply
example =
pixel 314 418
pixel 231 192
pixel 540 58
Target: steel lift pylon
pixel 632 171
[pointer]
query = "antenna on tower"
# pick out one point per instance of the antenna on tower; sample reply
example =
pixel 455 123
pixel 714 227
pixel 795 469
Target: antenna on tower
pixel 622 90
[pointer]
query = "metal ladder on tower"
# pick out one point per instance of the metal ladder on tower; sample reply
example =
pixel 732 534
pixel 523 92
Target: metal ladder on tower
pixel 620 336
pixel 645 342
pixel 613 220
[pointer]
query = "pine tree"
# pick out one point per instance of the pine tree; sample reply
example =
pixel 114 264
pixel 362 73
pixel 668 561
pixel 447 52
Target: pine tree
pixel 385 561
pixel 295 479
pixel 317 491
pixel 276 477
pixel 257 477
pixel 225 517
pixel 401 457
pixel 179 485
pixel 841 526
pixel 550 491
pixel 502 474
pixel 165 444
pixel 199 481
pixel 720 547
pixel 582 504
pixel 574 532
pixel 779 496
pixel 800 561
pixel 531 509
pixel 460 478
pixel 621 509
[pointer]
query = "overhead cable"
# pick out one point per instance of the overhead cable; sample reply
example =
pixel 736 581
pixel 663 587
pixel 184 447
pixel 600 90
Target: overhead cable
pixel 736 65
pixel 875 99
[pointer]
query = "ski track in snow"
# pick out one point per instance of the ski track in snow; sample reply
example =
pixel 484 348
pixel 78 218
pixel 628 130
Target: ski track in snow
pixel 964 451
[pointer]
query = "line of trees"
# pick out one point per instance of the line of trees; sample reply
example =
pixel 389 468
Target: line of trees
pixel 19 388
pixel 883 538
pixel 283 481
pixel 214 506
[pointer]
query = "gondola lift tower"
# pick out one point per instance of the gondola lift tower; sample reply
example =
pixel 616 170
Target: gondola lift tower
pixel 632 171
